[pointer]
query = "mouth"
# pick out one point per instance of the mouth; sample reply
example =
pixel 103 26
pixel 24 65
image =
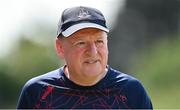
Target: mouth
pixel 91 61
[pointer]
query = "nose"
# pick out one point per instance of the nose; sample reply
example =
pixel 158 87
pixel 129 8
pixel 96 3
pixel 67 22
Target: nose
pixel 92 49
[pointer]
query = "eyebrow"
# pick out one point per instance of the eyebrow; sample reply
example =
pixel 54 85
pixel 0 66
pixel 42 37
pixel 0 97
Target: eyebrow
pixel 81 36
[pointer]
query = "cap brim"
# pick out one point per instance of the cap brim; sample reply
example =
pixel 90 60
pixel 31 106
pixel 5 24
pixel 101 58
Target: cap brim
pixel 69 31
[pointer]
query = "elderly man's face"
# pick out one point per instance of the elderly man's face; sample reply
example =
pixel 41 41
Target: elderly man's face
pixel 85 53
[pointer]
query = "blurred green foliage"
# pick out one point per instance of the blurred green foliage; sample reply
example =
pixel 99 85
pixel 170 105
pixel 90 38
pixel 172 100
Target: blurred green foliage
pixel 26 60
pixel 158 68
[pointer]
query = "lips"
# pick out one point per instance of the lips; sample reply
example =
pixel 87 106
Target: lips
pixel 91 61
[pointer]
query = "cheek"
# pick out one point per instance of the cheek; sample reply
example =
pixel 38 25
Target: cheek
pixel 74 54
pixel 104 56
pixel 104 51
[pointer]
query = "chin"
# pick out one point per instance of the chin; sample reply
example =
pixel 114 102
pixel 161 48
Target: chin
pixel 93 72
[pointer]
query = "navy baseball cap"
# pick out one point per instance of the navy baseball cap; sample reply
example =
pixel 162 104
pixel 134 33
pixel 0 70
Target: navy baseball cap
pixel 77 18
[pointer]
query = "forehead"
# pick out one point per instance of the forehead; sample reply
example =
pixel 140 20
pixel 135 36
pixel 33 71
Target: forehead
pixel 88 32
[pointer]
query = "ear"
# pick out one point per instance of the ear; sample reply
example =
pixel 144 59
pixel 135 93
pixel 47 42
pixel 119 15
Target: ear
pixel 59 48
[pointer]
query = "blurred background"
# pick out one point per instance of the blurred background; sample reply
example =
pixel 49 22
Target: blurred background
pixel 144 41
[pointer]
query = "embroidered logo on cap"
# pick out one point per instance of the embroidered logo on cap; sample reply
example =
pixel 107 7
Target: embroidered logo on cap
pixel 83 14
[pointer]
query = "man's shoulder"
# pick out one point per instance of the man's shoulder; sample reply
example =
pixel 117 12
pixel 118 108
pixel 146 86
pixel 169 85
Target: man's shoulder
pixel 132 88
pixel 124 79
pixel 45 79
pixel 121 76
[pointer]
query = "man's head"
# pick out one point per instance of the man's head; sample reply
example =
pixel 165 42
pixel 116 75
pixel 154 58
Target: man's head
pixel 82 43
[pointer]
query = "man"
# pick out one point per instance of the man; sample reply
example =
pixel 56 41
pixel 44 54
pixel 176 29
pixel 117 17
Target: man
pixel 85 81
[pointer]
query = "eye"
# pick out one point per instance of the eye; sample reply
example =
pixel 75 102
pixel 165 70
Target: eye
pixel 100 41
pixel 79 43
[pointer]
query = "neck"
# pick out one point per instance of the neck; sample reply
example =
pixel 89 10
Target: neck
pixel 87 81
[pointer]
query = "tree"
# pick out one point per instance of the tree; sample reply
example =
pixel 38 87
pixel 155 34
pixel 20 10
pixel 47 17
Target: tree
pixel 139 26
pixel 28 59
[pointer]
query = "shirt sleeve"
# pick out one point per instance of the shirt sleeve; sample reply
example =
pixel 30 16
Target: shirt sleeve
pixel 138 97
pixel 28 96
pixel 24 99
